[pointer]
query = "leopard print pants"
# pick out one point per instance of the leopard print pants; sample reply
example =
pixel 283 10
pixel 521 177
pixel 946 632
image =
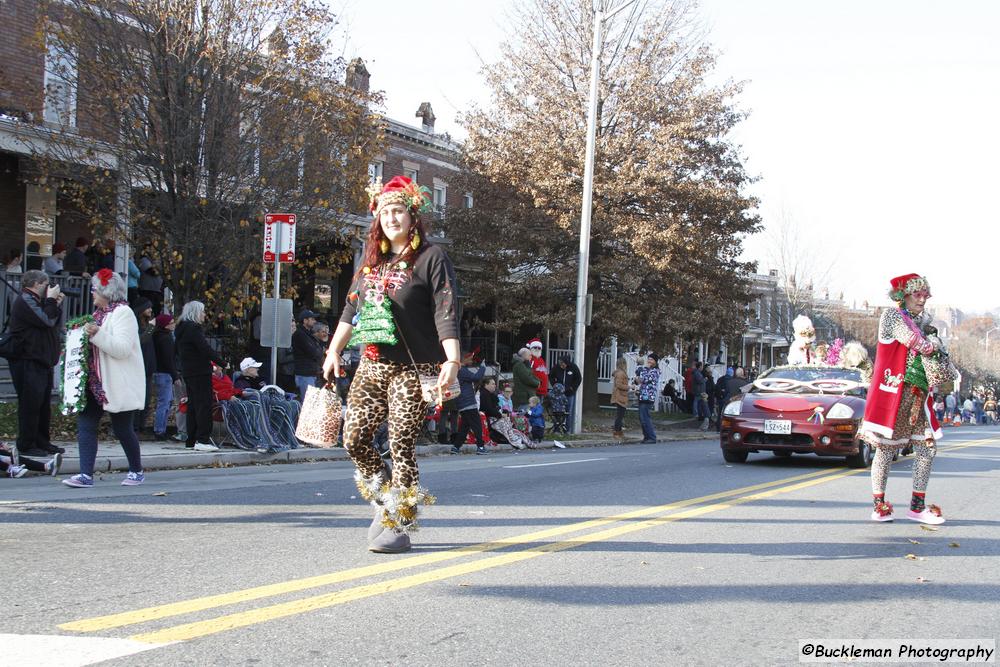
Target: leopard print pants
pixel 923 457
pixel 388 390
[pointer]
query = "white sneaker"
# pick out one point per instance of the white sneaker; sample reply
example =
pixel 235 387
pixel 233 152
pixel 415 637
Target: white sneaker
pixel 17 471
pixel 205 447
pixel 558 444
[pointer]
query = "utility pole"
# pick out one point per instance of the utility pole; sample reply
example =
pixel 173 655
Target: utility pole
pixel 583 268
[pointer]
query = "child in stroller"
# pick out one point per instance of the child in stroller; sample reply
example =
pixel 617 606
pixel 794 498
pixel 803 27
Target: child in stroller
pixel 558 407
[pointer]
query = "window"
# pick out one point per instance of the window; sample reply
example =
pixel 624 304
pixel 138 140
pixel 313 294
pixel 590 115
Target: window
pixel 411 174
pixel 375 172
pixel 467 200
pixel 60 84
pixel 440 199
pixel 250 140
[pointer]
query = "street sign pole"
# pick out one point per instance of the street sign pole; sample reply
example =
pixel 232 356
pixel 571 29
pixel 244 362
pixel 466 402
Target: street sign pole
pixel 277 295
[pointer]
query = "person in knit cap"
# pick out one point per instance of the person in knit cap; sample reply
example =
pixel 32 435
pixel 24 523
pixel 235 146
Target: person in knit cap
pixel 166 371
pixel 402 309
pixel 898 412
pixel 54 265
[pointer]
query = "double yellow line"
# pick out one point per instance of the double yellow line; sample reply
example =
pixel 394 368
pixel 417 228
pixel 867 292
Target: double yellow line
pixel 648 517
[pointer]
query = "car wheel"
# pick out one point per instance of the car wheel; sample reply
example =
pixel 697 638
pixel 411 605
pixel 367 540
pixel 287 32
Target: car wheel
pixel 783 454
pixel 863 458
pixel 733 456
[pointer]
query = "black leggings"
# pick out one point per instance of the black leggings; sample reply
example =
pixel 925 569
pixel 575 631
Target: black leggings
pixel 199 408
pixel 470 422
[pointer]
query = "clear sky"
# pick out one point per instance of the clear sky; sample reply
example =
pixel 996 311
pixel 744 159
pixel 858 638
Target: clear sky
pixel 873 127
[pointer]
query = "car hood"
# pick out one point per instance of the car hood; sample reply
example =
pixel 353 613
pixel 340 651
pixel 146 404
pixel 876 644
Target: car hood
pixel 773 403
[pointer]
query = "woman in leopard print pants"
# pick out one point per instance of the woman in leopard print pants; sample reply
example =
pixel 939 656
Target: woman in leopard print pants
pixel 402 311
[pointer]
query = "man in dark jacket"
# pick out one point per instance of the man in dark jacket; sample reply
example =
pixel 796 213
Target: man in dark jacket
pixel 468 411
pixel 525 381
pixel 75 262
pixel 35 325
pixel 568 375
pixel 308 353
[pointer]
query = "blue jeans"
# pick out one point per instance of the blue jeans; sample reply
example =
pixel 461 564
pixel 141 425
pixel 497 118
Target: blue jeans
pixel 164 385
pixel 648 432
pixel 121 425
pixel 701 408
pixel 569 412
pixel 303 382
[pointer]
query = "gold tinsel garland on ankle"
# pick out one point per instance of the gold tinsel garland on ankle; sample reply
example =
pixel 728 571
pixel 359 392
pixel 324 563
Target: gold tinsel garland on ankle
pixel 401 505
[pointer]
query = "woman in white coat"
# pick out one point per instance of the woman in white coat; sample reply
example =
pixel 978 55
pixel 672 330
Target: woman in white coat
pixel 116 378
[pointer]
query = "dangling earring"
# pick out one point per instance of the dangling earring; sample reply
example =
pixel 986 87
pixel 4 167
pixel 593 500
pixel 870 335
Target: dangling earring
pixel 415 241
pixel 384 246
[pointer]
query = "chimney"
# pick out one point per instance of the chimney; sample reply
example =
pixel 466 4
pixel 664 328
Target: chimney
pixel 427 115
pixel 357 75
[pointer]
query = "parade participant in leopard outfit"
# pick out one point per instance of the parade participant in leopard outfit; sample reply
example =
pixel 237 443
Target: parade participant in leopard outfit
pixel 402 310
pixel 898 412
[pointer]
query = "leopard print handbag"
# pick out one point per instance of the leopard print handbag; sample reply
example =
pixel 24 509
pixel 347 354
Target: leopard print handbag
pixel 320 418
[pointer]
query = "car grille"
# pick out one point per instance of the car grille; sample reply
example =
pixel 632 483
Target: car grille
pixel 793 439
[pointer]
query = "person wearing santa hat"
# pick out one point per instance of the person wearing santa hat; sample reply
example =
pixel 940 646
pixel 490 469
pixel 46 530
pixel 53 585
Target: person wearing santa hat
pixel 898 412
pixel 539 367
pixel 402 309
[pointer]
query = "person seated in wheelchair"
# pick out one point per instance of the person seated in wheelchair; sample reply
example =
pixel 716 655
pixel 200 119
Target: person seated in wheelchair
pixel 249 376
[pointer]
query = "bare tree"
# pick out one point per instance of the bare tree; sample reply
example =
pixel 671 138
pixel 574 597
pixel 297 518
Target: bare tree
pixel 803 268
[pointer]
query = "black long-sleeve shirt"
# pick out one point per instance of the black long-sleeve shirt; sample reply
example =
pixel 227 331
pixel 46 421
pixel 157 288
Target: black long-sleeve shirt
pixel 425 307
pixel 35 324
pixel 195 353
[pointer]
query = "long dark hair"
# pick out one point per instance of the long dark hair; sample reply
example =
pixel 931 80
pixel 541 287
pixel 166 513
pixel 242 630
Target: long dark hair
pixel 373 244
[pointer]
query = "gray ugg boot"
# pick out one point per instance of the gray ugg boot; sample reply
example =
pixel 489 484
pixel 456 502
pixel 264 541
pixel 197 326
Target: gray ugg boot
pixel 390 541
pixel 376 527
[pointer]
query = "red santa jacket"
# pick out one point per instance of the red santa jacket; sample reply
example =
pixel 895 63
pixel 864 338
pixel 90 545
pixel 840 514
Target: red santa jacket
pixel 898 339
pixel 541 371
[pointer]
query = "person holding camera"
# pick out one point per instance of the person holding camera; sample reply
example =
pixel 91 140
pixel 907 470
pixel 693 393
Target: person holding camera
pixel 35 324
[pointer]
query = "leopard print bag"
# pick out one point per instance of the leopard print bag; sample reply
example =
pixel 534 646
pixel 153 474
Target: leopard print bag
pixel 320 418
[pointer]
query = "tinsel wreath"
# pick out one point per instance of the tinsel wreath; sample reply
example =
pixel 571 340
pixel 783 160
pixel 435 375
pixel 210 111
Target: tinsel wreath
pixel 81 401
pixel 375 324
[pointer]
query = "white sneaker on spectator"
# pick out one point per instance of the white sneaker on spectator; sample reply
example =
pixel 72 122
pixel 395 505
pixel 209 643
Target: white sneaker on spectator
pixel 205 447
pixel 17 471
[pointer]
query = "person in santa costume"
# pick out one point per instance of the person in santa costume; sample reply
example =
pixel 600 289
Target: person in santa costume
pixel 539 367
pixel 899 412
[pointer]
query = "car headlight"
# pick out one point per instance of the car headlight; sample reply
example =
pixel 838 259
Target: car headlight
pixel 734 409
pixel 840 411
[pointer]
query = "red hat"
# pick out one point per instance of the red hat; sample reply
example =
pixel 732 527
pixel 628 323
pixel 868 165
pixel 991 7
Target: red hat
pixel 58 248
pixel 534 343
pixel 82 241
pixel 908 284
pixel 400 190
pixel 163 320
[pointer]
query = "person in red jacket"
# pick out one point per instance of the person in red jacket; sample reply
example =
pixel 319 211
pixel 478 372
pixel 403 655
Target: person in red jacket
pixel 223 386
pixel 898 409
pixel 539 367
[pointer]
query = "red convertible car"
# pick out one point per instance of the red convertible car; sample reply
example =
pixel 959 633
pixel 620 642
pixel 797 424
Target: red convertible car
pixel 798 410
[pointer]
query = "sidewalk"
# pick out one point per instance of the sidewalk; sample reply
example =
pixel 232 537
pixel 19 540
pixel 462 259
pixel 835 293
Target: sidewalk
pixel 174 455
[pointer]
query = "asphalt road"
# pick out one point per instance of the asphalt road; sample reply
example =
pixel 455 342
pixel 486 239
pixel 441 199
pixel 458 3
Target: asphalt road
pixel 627 555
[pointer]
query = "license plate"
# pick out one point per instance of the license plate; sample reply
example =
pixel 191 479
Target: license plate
pixel 778 426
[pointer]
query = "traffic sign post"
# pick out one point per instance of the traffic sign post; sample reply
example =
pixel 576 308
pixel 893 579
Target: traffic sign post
pixel 279 247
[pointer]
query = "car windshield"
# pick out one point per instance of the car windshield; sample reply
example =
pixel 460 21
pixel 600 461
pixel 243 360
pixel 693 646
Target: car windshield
pixel 811 380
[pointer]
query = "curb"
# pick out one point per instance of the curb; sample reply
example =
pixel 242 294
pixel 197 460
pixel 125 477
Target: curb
pixel 231 458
